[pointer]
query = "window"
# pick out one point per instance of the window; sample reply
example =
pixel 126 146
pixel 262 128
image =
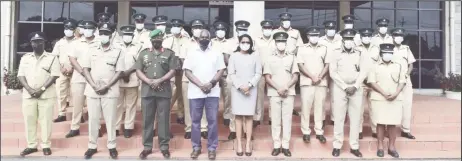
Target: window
pixel 424 32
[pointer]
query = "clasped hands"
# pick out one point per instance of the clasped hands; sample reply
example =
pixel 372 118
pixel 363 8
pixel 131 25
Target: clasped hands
pixel 390 97
pixel 245 89
pixel 67 71
pixel 35 93
pixel 100 89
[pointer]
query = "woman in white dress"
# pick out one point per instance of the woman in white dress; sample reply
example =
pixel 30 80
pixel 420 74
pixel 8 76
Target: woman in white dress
pixel 244 69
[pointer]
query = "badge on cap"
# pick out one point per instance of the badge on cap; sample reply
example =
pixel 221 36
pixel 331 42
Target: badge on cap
pixel 36 36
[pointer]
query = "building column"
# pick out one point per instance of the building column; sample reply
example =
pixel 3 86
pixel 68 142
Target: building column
pixel 343 10
pixel 123 17
pixel 252 11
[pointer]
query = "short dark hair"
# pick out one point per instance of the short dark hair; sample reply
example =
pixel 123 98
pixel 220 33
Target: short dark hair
pixel 238 49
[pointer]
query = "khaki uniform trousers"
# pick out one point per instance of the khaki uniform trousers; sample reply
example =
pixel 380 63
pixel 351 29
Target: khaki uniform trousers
pixel 367 102
pixel 342 104
pixel 64 93
pixel 41 111
pixel 281 115
pixel 313 97
pixel 226 86
pixel 177 96
pixel 407 108
pixel 108 108
pixel 78 98
pixel 260 109
pixel 331 94
pixel 187 118
pixel 127 103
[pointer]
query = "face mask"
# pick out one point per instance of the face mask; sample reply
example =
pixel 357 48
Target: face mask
pixel 267 32
pixel 240 33
pixel 244 47
pixel 398 39
pixel 81 30
pixel 286 24
pixel 175 30
pixel 161 27
pixel 313 39
pixel 220 34
pixel 383 30
pixel 68 33
pixel 88 32
pixel 39 48
pixel 348 44
pixel 386 57
pixel 197 32
pixel 348 26
pixel 104 39
pixel 157 44
pixel 281 46
pixel 139 26
pixel 127 38
pixel 366 40
pixel 330 33
pixel 204 43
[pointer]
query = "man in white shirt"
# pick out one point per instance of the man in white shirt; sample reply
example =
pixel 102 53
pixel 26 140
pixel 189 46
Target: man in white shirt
pixel 204 68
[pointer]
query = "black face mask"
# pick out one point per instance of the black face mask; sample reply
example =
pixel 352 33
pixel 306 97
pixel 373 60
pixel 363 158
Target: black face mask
pixel 38 48
pixel 157 44
pixel 204 43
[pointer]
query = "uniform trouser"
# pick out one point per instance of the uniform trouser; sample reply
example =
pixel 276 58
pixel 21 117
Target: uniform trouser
pixel 281 115
pixel 367 102
pixel 342 104
pixel 226 86
pixel 197 106
pixel 260 109
pixel 313 97
pixel 107 107
pixel 41 111
pixel 407 108
pixel 79 101
pixel 127 103
pixel 64 93
pixel 187 111
pixel 177 96
pixel 331 94
pixel 151 106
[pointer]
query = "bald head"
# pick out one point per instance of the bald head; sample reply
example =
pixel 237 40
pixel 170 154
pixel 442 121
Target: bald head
pixel 205 34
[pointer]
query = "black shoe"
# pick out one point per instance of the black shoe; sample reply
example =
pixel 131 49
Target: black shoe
pixel 113 153
pixel 356 153
pixel 380 153
pixel 165 153
pixel 144 154
pixel 73 133
pixel 117 133
pixel 204 134
pixel 336 152
pixel 255 123
pixel 286 152
pixel 28 151
pixel 269 122
pixel 195 154
pixel 393 153
pixel 239 153
pixel 232 136
pixel 306 138
pixel 180 120
pixel 360 135
pixel 276 152
pixel 374 135
pixel 321 138
pixel 295 113
pixel 128 133
pixel 226 122
pixel 82 120
pixel 46 151
pixel 187 135
pixel 407 135
pixel 89 153
pixel 212 155
pixel 60 119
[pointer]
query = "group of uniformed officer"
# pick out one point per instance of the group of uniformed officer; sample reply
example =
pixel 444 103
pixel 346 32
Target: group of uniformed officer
pixel 98 67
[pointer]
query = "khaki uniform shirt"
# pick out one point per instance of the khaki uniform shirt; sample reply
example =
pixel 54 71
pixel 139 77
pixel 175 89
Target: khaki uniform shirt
pixel 175 44
pixel 294 39
pixel 264 47
pixel 223 47
pixel 371 55
pixel 141 37
pixel 313 58
pixel 404 56
pixel 335 43
pixel 155 66
pixel 377 39
pixel 281 68
pixel 37 71
pixel 81 47
pixel 190 44
pixel 104 63
pixel 62 49
pixel 131 54
pixel 345 68
pixel 388 77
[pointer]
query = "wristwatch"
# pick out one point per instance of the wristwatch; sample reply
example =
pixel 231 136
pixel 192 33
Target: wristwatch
pixel 250 84
pixel 43 88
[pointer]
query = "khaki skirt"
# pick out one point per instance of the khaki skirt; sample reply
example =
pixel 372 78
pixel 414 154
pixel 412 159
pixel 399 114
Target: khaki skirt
pixel 387 112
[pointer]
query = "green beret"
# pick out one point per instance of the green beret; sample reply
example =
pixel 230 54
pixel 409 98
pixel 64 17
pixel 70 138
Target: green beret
pixel 155 33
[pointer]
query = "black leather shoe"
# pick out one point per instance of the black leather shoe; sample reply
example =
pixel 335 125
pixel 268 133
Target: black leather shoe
pixel 195 154
pixel 286 152
pixel 128 133
pixel 295 113
pixel 180 120
pixel 28 151
pixel 46 151
pixel 393 153
pixel 360 135
pixel 73 133
pixel 166 154
pixel 60 119
pixel 226 122
pixel 380 153
pixel 356 153
pixel 374 135
pixel 89 153
pixel 407 135
pixel 239 153
pixel 113 153
pixel 336 152
pixel 204 134
pixel 321 138
pixel 82 120
pixel 255 123
pixel 117 133
pixel 306 138
pixel 232 136
pixel 144 154
pixel 276 152
pixel 187 135
pixel 212 155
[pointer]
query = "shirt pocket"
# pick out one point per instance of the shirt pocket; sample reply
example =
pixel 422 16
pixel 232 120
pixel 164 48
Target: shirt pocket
pixel 112 60
pixel 45 64
pixel 164 63
pixel 394 73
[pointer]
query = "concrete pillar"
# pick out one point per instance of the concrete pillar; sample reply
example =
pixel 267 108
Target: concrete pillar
pixel 123 17
pixel 252 11
pixel 344 10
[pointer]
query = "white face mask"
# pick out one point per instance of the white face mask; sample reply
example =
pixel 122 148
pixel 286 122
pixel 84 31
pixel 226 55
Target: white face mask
pixel 398 39
pixel 330 33
pixel 139 26
pixel 244 47
pixel 240 33
pixel 80 30
pixel 127 38
pixel 286 24
pixel 366 40
pixel 175 30
pixel 349 44
pixel 197 32
pixel 313 39
pixel 104 39
pixel 386 57
pixel 281 46
pixel 267 32
pixel 88 32
pixel 220 34
pixel 349 26
pixel 161 27
pixel 68 33
pixel 383 30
